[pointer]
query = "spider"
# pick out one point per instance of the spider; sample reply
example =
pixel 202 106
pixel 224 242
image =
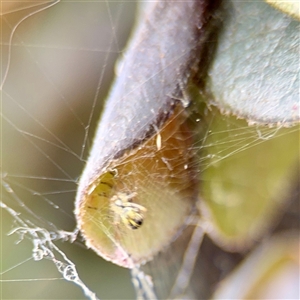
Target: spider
pixel 131 214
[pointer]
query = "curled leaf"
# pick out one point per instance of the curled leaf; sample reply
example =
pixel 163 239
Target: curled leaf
pixel 139 185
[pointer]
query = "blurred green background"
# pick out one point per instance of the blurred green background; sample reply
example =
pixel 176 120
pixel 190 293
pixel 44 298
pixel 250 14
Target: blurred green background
pixel 61 63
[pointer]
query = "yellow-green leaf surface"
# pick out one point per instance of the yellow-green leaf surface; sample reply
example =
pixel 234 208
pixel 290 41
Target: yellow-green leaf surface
pixel 246 175
pixel 160 176
pixel 255 70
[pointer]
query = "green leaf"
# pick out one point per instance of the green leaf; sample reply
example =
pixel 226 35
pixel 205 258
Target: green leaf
pixel 255 72
pixel 247 174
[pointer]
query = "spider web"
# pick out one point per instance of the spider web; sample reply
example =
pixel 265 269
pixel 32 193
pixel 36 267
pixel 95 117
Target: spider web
pixel 79 37
pixel 57 61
